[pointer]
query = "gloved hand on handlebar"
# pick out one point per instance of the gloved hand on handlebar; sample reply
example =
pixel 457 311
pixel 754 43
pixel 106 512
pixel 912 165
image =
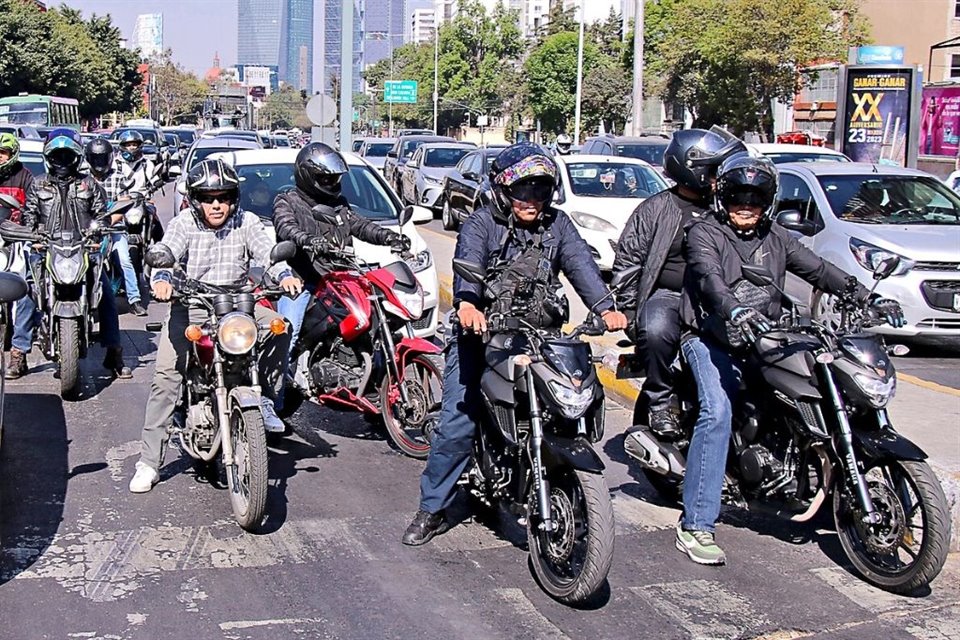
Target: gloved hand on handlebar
pixel 889 311
pixel 750 322
pixel 331 242
pixel 399 242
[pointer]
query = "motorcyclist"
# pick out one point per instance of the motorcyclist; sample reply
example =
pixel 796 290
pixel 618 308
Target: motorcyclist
pixel 103 169
pixel 67 201
pixel 653 237
pixel 564 144
pixel 136 170
pixel 521 227
pixel 722 314
pixel 15 180
pixel 317 217
pixel 215 244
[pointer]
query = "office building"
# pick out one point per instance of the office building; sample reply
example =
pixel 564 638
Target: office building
pixel 423 25
pixel 296 44
pixel 384 22
pixel 277 34
pixel 332 32
pixel 148 35
pixel 446 10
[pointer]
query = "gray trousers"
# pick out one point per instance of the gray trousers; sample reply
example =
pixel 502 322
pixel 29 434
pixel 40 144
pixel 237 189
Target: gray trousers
pixel 171 364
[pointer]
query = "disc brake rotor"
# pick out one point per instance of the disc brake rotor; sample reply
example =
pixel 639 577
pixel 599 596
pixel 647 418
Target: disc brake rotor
pixel 561 540
pixel 417 405
pixel 883 538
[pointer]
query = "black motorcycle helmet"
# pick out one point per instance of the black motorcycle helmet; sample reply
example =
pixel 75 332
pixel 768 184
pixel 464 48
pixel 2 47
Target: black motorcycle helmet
pixel 745 180
pixel 522 172
pixel 693 156
pixel 99 155
pixel 212 176
pixel 319 168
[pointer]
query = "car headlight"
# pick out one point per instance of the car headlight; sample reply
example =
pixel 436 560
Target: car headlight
pixel 869 256
pixel 421 261
pixel 572 403
pixel 591 222
pixel 436 182
pixel 876 391
pixel 237 333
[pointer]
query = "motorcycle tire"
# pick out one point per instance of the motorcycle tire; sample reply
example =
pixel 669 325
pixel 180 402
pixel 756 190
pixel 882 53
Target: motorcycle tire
pixel 909 477
pixel 247 480
pixel 68 351
pixel 581 506
pixel 412 439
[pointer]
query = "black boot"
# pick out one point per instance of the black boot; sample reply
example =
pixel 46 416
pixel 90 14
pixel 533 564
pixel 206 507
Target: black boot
pixel 424 527
pixel 113 361
pixel 665 423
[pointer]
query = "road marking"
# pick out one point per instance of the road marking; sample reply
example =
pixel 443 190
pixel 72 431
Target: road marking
pixel 471 536
pixel 251 624
pixel 533 622
pixel 633 515
pixel 702 607
pixel 878 601
pixel 927 384
pixel 944 626
pixel 117 455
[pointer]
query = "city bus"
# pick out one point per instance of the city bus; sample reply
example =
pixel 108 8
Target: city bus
pixel 40 111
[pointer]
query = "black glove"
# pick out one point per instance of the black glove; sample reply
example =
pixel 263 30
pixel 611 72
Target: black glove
pixel 332 241
pixel 399 242
pixel 750 322
pixel 890 311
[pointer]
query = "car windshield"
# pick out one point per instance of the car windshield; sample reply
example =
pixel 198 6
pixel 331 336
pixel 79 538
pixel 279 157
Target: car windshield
pixel 652 153
pixel 410 146
pixel 377 149
pixel 262 183
pixel 790 156
pixel 149 136
pixel 443 157
pixel 900 200
pixel 201 154
pixel 34 163
pixel 24 113
pixel 613 180
pixel 186 136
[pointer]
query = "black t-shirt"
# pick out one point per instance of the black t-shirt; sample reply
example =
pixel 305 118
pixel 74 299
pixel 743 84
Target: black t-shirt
pixel 671 276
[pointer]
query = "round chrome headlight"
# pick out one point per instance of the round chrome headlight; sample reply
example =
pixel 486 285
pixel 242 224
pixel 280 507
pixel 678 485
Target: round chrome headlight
pixel 237 333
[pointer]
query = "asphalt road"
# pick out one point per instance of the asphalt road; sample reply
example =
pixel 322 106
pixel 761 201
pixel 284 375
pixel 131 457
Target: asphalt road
pixel 83 558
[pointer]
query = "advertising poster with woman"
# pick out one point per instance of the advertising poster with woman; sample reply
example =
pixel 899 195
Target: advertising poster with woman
pixel 940 121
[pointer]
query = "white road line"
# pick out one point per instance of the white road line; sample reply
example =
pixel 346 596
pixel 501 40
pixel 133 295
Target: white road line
pixel 534 622
pixel 870 598
pixel 702 607
pixel 250 624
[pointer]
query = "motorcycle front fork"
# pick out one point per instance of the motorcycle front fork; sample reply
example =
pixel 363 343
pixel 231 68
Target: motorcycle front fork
pixel 390 354
pixel 223 405
pixel 540 483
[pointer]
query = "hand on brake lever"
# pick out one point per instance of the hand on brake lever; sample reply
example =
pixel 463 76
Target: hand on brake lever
pixel 293 286
pixel 471 318
pixel 400 243
pixel 614 320
pixel 162 290
pixel 750 322
pixel 890 311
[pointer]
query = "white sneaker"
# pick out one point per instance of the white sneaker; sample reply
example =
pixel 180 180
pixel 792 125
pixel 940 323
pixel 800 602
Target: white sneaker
pixel 144 479
pixel 271 421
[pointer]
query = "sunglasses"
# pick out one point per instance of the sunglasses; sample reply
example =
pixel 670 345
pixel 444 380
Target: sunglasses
pixel 210 198
pixel 529 191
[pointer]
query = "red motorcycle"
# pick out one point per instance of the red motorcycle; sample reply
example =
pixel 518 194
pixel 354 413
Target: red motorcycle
pixel 357 349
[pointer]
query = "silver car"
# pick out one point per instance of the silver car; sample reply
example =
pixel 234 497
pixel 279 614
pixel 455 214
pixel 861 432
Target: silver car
pixel 855 215
pixel 421 179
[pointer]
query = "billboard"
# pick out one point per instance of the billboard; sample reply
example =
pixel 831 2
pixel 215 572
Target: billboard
pixel 148 34
pixel 877 114
pixel 940 121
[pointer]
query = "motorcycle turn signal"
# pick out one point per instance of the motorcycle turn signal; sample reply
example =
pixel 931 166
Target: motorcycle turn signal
pixel 278 326
pixel 193 333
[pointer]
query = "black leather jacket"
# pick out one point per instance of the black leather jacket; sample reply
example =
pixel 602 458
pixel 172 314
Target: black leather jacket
pixel 85 199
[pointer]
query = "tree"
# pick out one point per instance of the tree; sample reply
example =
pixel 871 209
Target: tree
pixel 551 72
pixel 284 108
pixel 174 91
pixel 606 95
pixel 559 20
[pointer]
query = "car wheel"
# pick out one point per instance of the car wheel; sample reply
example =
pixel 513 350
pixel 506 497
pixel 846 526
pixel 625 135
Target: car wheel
pixel 824 309
pixel 449 220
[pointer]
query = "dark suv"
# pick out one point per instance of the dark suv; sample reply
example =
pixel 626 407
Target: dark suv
pixel 648 148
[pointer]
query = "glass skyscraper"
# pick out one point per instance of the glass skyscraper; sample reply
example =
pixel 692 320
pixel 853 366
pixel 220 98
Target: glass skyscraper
pixel 277 34
pixel 332 32
pixel 384 23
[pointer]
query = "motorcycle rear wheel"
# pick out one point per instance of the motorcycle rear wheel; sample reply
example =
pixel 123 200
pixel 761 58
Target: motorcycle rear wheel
pixel 247 479
pixel 68 350
pixel 412 430
pixel 571 563
pixel 907 550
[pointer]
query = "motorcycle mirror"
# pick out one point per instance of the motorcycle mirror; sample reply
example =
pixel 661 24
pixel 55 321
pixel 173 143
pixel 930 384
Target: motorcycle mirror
pixel 469 271
pixel 886 268
pixel 756 274
pixel 7 201
pixel 120 206
pixel 12 287
pixel 159 256
pixel 283 251
pixel 406 215
pixel 623 277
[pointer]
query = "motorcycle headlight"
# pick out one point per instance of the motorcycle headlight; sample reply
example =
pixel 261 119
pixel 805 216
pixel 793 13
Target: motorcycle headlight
pixel 66 268
pixel 572 403
pixel 591 222
pixel 237 333
pixel 421 261
pixel 869 256
pixel 134 216
pixel 878 392
pixel 412 304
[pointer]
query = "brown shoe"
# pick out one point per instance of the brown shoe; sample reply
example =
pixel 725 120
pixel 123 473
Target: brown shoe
pixel 17 366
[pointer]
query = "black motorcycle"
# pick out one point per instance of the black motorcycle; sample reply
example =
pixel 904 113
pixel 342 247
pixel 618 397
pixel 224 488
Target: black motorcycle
pixel 813 421
pixel 534 453
pixel 143 228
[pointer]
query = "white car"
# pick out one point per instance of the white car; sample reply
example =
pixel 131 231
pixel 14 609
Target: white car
pixel 264 173
pixel 781 153
pixel 599 193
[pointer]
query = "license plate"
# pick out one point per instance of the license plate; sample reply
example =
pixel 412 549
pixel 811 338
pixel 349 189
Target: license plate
pixel 956 302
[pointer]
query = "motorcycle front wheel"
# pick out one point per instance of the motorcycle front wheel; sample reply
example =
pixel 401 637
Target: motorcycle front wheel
pixel 908 548
pixel 571 562
pixel 247 479
pixel 411 427
pixel 68 350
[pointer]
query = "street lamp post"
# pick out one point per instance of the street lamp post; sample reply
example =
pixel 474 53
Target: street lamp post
pixel 436 57
pixel 576 117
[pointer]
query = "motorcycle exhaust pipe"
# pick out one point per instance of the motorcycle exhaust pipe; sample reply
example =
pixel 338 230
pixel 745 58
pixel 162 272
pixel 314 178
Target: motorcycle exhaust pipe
pixel 665 459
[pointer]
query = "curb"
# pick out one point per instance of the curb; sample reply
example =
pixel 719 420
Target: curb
pixel 627 392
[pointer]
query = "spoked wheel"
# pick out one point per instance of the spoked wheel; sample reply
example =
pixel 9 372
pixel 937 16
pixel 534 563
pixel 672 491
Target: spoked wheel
pixel 247 480
pixel 572 561
pixel 68 350
pixel 907 549
pixel 411 427
pixel 825 309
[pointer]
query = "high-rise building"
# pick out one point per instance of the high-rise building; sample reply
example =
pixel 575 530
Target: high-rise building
pixel 535 15
pixel 332 34
pixel 277 34
pixel 148 34
pixel 447 10
pixel 383 25
pixel 423 25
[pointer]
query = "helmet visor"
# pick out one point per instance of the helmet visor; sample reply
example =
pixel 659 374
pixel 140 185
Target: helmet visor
pixel 62 157
pixel 746 198
pixel 537 191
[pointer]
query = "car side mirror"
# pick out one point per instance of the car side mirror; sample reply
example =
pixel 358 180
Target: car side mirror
pixel 622 278
pixel 283 251
pixel 469 271
pixel 886 268
pixel 793 220
pixel 391 154
pixel 757 275
pixel 407 214
pixel 159 256
pixel 182 188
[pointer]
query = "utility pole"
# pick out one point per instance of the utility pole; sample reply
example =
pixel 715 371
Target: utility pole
pixel 346 76
pixel 436 57
pixel 576 117
pixel 637 116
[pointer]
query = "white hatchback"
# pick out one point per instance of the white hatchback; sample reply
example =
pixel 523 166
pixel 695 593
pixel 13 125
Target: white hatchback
pixel 264 173
pixel 599 193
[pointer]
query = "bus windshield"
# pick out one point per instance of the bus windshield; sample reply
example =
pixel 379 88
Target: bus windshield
pixel 34 113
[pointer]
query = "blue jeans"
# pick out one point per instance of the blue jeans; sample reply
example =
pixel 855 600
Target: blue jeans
pixel 718 375
pixel 121 245
pixel 25 319
pixel 452 445
pixel 293 309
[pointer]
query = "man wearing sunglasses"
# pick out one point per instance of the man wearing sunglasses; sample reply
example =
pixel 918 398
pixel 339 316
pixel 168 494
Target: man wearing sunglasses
pixel 523 243
pixel 722 314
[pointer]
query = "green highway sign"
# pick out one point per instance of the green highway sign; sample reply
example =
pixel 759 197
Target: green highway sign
pixel 400 91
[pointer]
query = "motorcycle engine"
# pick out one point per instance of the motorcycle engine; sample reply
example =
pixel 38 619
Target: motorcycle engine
pixel 341 368
pixel 758 464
